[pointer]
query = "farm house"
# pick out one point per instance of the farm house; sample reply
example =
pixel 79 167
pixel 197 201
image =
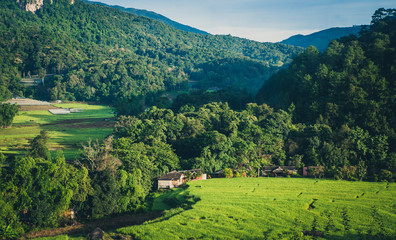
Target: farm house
pixel 171 180
pixel 175 178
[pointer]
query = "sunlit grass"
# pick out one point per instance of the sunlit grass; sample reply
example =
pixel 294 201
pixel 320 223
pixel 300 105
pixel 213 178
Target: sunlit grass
pixel 274 208
pixel 45 117
pixel 64 137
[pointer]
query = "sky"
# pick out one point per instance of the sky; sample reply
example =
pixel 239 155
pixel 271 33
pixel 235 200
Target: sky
pixel 262 20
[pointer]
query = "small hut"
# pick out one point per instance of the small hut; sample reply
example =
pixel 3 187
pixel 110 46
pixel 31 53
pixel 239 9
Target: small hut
pixel 171 180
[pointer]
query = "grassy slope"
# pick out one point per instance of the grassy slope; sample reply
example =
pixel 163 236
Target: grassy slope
pixel 28 124
pixel 253 208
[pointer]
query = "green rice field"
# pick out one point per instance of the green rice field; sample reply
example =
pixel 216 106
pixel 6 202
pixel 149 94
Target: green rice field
pixel 273 208
pixel 67 132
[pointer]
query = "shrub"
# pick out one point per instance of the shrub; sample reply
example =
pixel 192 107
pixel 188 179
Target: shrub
pixel 385 175
pixel 252 174
pixel 228 173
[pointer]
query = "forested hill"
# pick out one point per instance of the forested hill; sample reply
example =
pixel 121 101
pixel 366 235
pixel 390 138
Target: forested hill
pixel 102 54
pixel 321 39
pixel 348 89
pixel 153 15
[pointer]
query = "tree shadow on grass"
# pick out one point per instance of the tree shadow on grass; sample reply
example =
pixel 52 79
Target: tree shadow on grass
pixel 174 202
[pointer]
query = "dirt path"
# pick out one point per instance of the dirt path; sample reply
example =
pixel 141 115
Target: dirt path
pixel 104 224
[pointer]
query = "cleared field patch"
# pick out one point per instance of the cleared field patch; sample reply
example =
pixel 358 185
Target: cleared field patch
pixel 275 208
pixel 67 132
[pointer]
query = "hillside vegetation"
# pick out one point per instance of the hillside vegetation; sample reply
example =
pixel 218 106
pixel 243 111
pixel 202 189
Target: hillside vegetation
pixel 153 15
pixel 345 98
pixel 97 53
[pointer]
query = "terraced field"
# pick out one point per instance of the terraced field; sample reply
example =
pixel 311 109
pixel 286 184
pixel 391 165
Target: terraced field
pixel 274 208
pixel 67 132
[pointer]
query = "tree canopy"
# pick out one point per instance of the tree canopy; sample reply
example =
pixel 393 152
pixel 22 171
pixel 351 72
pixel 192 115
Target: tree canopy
pixel 95 53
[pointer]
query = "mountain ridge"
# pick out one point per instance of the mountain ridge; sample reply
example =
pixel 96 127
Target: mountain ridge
pixel 322 38
pixel 106 55
pixel 152 15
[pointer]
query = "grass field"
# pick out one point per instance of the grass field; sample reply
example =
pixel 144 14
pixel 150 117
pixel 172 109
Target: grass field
pixel 67 132
pixel 273 208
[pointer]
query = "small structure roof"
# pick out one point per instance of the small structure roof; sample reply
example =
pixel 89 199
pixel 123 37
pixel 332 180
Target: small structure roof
pixel 59 111
pixel 174 175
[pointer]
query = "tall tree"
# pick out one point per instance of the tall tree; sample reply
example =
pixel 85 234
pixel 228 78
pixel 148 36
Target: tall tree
pixel 38 146
pixel 7 113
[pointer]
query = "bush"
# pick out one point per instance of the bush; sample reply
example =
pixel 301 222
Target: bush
pixel 252 174
pixel 385 175
pixel 237 175
pixel 228 173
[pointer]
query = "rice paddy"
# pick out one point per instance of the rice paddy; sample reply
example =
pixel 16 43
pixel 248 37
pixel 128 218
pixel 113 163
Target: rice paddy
pixel 273 208
pixel 67 132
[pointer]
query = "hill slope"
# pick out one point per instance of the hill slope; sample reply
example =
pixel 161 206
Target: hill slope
pixel 102 54
pixel 349 90
pixel 321 39
pixel 153 15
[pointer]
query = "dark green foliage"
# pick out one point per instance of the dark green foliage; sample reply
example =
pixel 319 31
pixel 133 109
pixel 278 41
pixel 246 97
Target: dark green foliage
pixel 95 53
pixel 212 138
pixel 383 13
pixel 122 173
pixel 37 192
pixel 110 185
pixel 107 194
pixel 345 98
pixel 236 99
pixel 7 114
pixel 38 146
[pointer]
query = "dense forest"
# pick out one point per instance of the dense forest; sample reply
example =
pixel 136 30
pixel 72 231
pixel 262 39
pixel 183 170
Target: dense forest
pixel 348 94
pixel 88 52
